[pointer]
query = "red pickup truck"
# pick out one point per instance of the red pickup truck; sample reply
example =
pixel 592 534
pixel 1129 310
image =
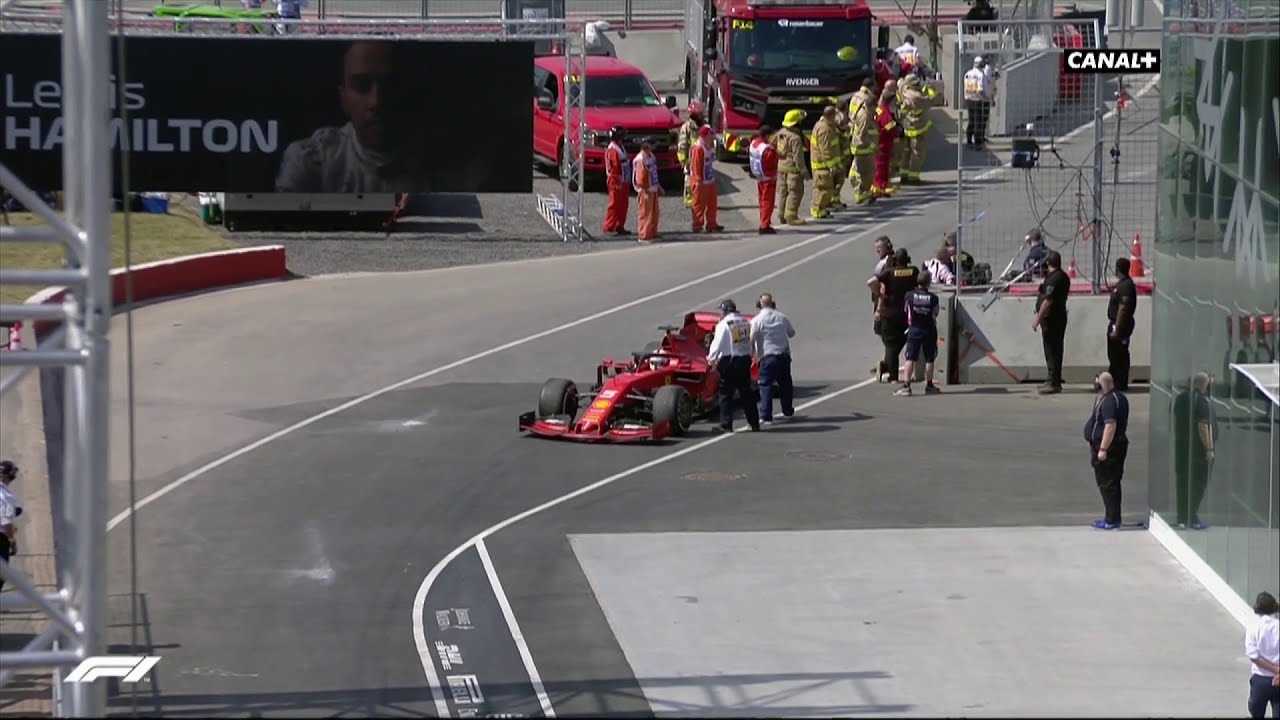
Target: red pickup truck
pixel 618 95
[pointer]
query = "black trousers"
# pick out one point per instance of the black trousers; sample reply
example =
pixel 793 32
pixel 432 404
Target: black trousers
pixel 1053 335
pixel 6 552
pixel 893 333
pixel 1261 694
pixel 1118 359
pixel 1192 476
pixel 735 390
pixel 1109 473
pixel 975 131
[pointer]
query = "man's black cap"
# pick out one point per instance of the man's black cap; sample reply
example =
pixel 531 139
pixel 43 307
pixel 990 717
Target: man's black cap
pixel 728 306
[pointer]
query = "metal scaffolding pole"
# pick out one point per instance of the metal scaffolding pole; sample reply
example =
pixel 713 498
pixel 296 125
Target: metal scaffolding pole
pixel 74 335
pixel 77 610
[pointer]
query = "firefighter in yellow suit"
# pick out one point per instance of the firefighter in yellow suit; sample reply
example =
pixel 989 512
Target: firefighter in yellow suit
pixel 917 98
pixel 687 136
pixel 862 139
pixel 789 142
pixel 825 157
pixel 841 171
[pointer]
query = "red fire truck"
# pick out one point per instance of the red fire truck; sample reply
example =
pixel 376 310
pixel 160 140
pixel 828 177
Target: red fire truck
pixel 750 61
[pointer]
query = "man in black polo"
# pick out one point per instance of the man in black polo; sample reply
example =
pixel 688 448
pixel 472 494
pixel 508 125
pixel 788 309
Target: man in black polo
pixel 1107 433
pixel 1120 324
pixel 891 287
pixel 1051 320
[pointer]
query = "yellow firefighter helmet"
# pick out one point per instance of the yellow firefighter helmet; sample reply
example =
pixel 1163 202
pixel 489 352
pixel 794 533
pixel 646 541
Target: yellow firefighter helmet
pixel 793 118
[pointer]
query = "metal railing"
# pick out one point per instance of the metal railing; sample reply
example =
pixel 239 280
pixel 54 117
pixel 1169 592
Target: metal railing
pixel 624 14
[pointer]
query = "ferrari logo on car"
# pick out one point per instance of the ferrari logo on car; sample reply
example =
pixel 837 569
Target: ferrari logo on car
pixel 600 404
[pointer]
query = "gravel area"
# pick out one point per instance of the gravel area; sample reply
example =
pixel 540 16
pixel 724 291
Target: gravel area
pixel 463 229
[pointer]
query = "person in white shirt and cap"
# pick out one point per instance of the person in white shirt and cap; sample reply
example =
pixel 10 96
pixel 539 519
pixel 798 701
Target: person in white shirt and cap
pixel 979 91
pixel 597 42
pixel 771 334
pixel 730 355
pixel 1262 647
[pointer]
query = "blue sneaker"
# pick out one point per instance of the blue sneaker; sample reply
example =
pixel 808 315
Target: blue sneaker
pixel 1104 525
pixel 1199 526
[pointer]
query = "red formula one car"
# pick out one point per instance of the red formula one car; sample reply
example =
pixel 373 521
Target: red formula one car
pixel 656 394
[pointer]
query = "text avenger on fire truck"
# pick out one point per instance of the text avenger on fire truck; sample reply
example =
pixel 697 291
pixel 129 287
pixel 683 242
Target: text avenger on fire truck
pixel 750 61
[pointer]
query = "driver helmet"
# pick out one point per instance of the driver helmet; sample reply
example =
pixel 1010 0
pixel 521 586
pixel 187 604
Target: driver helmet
pixel 660 359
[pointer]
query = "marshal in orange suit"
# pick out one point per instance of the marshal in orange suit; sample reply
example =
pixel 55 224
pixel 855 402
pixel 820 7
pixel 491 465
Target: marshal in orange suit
pixel 648 190
pixel 702 177
pixel 617 171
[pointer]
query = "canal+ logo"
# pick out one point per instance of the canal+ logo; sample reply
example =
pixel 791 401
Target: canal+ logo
pixel 1140 62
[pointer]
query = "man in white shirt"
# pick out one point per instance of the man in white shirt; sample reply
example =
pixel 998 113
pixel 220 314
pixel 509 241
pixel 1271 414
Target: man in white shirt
pixel 730 355
pixel 979 89
pixel 376 151
pixel 10 509
pixel 939 268
pixel 597 42
pixel 909 58
pixel 771 334
pixel 1262 647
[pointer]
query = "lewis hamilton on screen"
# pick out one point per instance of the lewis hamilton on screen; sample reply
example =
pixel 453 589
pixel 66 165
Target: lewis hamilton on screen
pixel 377 150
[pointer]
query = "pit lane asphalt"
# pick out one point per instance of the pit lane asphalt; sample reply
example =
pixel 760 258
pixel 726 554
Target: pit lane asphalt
pixel 282 580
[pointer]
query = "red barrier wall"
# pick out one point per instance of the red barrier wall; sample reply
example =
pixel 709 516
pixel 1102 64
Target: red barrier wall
pixel 179 276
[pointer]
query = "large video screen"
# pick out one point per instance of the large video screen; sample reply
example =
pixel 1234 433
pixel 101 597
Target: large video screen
pixel 270 114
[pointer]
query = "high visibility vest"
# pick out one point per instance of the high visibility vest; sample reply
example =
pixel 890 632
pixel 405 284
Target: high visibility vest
pixel 626 162
pixel 756 155
pixel 708 165
pixel 650 162
pixel 976 85
pixel 908 55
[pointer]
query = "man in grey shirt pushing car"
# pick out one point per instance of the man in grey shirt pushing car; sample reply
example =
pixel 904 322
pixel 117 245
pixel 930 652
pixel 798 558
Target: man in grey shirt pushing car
pixel 771 334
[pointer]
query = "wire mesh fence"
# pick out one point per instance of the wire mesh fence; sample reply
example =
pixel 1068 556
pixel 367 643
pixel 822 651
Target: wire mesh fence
pixel 1073 156
pixel 1028 157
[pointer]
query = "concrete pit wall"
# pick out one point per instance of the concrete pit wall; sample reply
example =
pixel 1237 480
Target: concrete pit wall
pixel 997 346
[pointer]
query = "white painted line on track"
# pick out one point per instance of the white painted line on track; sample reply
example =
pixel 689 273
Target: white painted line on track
pixel 215 464
pixel 527 657
pixel 792 266
pixel 420 601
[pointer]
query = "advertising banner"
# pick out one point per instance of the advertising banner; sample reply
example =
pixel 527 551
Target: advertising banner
pixel 269 114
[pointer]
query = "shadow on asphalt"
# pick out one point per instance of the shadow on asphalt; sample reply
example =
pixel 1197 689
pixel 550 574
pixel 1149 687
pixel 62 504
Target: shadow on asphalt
pixel 589 698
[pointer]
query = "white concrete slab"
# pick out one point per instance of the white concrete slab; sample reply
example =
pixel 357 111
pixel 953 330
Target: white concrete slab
pixel 1002 622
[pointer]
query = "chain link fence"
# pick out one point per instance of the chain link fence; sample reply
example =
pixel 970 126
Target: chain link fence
pixel 1071 155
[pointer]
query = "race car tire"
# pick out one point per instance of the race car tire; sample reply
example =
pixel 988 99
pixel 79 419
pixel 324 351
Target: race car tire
pixel 673 404
pixel 558 397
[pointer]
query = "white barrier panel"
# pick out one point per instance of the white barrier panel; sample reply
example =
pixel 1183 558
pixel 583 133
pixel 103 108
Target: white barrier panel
pixel 998 345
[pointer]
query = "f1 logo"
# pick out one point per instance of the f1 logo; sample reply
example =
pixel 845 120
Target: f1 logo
pixel 130 669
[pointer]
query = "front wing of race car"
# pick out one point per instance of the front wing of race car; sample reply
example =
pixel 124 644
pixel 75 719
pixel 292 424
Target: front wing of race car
pixel 562 427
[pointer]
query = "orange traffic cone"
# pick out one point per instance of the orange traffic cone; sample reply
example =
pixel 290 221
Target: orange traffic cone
pixel 1137 268
pixel 1071 269
pixel 15 336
